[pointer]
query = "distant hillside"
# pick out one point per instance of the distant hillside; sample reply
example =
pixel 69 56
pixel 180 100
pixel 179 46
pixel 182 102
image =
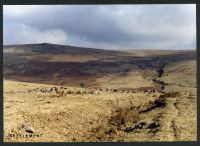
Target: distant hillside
pixel 56 49
pixel 69 65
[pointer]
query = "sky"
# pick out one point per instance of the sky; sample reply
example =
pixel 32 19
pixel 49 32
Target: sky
pixel 171 26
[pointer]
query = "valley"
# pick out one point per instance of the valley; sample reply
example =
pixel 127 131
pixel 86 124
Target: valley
pixel 68 93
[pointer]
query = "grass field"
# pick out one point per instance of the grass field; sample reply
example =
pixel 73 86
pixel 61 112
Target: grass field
pixel 125 97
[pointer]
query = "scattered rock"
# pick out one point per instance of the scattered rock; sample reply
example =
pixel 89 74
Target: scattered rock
pixel 28 128
pixel 93 92
pixel 153 90
pixel 128 129
pixel 154 125
pixel 100 89
pixel 115 90
pixel 69 92
pixel 170 94
pixel 78 92
pixel 84 92
pixel 140 125
pixel 121 91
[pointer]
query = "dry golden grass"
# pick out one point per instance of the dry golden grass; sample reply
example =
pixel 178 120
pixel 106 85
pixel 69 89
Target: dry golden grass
pixel 131 80
pixel 86 114
pixel 62 118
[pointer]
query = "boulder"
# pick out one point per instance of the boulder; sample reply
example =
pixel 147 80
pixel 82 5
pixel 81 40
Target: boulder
pixel 28 128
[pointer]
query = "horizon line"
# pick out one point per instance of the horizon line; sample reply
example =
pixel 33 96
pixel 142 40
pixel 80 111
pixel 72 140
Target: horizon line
pixel 125 49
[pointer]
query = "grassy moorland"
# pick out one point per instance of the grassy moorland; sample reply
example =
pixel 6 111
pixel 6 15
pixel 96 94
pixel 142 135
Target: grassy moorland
pixel 138 95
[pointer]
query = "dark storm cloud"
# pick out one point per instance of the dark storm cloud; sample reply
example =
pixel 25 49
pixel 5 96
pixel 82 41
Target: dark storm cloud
pixel 112 27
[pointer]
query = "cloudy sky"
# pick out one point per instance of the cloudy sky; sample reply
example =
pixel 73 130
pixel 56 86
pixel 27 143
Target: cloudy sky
pixel 102 26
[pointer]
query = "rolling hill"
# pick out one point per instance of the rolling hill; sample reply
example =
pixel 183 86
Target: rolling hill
pixel 130 95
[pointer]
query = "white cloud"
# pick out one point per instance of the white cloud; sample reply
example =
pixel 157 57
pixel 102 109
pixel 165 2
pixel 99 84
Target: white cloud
pixel 24 34
pixel 107 26
pixel 20 10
